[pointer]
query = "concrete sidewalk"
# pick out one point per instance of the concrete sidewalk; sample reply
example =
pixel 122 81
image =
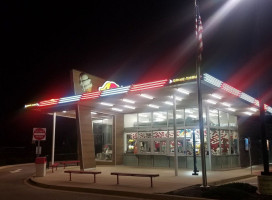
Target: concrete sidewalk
pixel 166 182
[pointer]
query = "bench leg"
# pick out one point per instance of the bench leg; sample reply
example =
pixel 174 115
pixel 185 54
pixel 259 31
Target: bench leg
pixel 70 176
pixel 151 181
pixel 94 178
pixel 52 169
pixel 117 179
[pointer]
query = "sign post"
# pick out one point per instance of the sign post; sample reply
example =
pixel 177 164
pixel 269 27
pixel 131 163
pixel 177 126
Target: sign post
pixel 38 135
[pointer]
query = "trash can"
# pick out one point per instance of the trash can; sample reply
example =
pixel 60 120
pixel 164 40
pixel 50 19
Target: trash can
pixel 40 163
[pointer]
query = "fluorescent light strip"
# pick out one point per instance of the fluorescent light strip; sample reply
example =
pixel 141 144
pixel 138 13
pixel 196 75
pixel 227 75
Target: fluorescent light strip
pixel 231 109
pixel 216 96
pixel 90 95
pixel 49 102
pixel 93 113
pixel 153 106
pixel 106 104
pixel 69 99
pixel 114 91
pixel 226 104
pixel 168 103
pixel 211 101
pixel 188 111
pixel 128 101
pixel 117 109
pixel 248 113
pixel 146 96
pixel 130 107
pixel 253 109
pixel 214 81
pixel 177 98
pixel 183 91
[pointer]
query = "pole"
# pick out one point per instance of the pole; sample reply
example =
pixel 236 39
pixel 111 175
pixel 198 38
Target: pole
pixel 39 148
pixel 194 152
pixel 200 111
pixel 175 136
pixel 263 138
pixel 53 139
pixel 249 151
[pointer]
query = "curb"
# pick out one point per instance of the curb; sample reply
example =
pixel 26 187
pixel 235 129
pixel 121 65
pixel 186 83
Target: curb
pixel 220 182
pixel 112 192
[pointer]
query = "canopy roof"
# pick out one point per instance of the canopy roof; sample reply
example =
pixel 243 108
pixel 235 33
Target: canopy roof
pixel 157 95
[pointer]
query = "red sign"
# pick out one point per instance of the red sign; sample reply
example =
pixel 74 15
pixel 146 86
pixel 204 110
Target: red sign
pixel 39 134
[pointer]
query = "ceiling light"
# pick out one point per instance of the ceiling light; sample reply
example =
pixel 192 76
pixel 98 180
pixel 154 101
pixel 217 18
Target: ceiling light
pixel 168 102
pixel 183 91
pixel 226 104
pixel 128 100
pixel 231 109
pixel 64 111
pixel 130 107
pixel 216 96
pixel 188 111
pixel 117 109
pixel 248 113
pixel 93 113
pixel 106 104
pixel 253 109
pixel 211 101
pixel 147 96
pixel 177 98
pixel 153 106
pixel 213 111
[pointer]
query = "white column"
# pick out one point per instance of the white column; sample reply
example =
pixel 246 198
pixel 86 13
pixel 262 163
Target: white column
pixel 53 138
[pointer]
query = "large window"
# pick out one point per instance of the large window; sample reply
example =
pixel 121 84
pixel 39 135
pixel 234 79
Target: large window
pixel 159 119
pixel 144 119
pixel 191 116
pixel 131 139
pixel 152 132
pixel 179 118
pixel 213 113
pixel 214 142
pixel 232 121
pixel 233 142
pixel 130 120
pixel 224 138
pixel 223 118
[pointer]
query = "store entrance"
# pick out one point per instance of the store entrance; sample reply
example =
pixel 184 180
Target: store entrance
pixel 102 131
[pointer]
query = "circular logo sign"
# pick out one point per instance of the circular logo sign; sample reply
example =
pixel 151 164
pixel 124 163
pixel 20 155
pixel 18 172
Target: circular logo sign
pixel 39 133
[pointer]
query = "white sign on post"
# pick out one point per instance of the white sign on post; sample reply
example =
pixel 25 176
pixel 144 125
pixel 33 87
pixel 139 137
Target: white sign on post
pixel 39 134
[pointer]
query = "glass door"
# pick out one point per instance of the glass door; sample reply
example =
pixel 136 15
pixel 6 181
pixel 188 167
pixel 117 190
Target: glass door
pixel 102 131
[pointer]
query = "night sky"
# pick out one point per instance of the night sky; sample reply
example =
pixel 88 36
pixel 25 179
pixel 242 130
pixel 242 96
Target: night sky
pixel 129 41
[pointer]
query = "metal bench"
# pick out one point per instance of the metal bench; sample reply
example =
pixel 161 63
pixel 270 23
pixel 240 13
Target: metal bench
pixel 135 174
pixel 82 172
pixel 54 165
pixel 65 163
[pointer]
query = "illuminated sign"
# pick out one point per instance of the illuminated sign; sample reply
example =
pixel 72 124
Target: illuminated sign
pixel 108 85
pixel 31 105
pixel 183 79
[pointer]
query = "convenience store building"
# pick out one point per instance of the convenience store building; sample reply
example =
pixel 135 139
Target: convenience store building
pixel 133 125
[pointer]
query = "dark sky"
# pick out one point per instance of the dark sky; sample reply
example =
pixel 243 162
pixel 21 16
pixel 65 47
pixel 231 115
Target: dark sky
pixel 129 41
